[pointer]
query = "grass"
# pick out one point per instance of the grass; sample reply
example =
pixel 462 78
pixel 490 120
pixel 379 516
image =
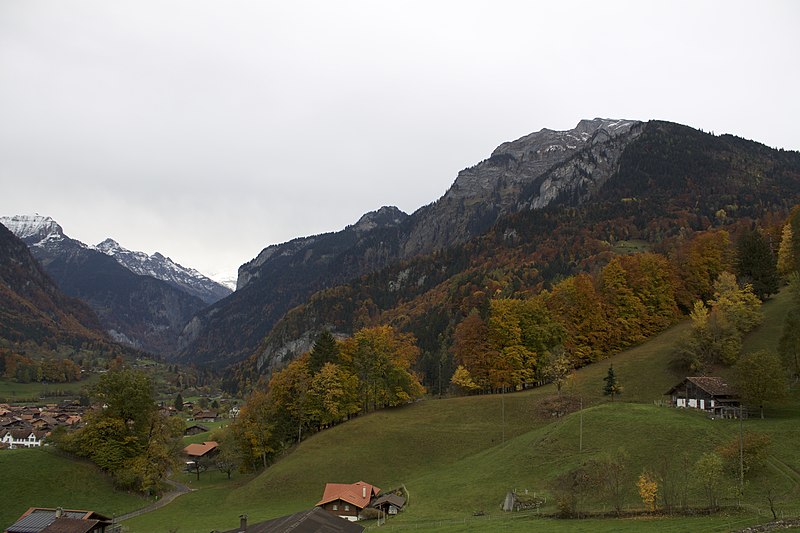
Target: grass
pixel 40 477
pixel 13 392
pixel 461 455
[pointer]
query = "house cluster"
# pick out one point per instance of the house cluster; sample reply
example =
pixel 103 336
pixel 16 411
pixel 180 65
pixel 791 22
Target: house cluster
pixel 23 426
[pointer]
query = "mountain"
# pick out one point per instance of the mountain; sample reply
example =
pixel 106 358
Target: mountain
pixel 668 182
pixel 33 309
pixel 157 266
pixel 528 173
pixel 136 310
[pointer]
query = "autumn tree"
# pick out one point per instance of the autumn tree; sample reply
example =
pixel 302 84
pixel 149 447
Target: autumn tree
pixel 739 305
pixel 472 349
pixel 253 429
pixel 332 395
pixel 786 256
pixel 760 379
pixel 701 261
pixel 288 393
pixel 648 490
pixel 559 368
pixel 577 306
pixel 128 437
pixel 709 473
pixel 382 358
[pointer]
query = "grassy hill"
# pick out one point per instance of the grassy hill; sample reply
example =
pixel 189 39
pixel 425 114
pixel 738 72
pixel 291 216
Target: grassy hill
pixel 40 477
pixel 461 455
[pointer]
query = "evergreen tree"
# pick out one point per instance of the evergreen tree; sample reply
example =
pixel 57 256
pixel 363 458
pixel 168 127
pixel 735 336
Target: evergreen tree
pixel 756 264
pixel 179 402
pixel 325 350
pixel 612 388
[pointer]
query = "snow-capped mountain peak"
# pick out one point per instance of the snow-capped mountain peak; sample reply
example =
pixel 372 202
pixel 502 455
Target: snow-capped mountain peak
pixel 33 229
pixel 164 268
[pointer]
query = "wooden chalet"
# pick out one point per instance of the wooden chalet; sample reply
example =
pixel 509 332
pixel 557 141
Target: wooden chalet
pixel 390 504
pixel 707 393
pixel 45 520
pixel 347 501
pixel 203 449
pixel 195 429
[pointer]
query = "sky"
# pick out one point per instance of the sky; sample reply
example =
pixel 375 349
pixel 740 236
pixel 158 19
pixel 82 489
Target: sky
pixel 208 130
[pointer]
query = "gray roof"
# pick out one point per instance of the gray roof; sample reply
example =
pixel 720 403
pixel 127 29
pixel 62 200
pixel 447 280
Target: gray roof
pixel 36 520
pixel 316 520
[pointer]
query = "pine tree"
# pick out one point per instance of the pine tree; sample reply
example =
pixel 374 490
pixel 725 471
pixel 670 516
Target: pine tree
pixel 757 265
pixel 612 388
pixel 325 350
pixel 179 402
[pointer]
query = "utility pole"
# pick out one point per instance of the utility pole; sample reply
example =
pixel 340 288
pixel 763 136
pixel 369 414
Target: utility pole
pixel 580 430
pixel 503 403
pixel 741 456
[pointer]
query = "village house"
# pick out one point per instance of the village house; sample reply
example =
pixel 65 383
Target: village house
pixel 707 393
pixel 45 520
pixel 389 504
pixel 21 438
pixel 195 429
pixel 347 501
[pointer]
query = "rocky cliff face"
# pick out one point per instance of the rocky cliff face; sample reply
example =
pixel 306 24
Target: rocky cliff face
pixel 528 173
pixel 139 311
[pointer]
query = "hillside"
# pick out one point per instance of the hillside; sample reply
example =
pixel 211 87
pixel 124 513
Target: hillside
pixel 543 168
pixel 139 311
pixel 671 182
pixel 457 456
pixel 33 311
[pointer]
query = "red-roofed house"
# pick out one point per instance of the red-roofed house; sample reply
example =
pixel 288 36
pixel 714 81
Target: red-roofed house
pixel 204 449
pixel 347 501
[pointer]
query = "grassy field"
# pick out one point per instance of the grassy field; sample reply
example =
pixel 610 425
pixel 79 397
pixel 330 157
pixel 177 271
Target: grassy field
pixel 13 392
pixel 40 477
pixel 461 455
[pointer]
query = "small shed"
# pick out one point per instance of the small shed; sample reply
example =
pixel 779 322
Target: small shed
pixel 389 504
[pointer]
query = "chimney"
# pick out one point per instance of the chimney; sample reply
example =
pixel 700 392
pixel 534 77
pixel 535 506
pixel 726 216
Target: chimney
pixel 242 523
pixel 59 512
pixel 363 491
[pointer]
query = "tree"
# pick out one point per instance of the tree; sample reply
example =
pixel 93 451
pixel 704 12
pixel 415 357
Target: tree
pixel 463 380
pixel 252 429
pixel 757 265
pixel 786 257
pixel 739 305
pixel 229 454
pixel 559 368
pixel 760 378
pixel 325 350
pixel 648 490
pixel 709 473
pixel 611 388
pixel 178 404
pixel 789 343
pixel 472 349
pixel 332 395
pixel 382 358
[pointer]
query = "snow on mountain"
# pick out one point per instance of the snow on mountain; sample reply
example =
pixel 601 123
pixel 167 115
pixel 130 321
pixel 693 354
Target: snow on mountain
pixel 164 268
pixel 33 229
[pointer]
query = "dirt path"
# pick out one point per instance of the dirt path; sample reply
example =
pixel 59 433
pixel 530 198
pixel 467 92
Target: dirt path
pixel 179 488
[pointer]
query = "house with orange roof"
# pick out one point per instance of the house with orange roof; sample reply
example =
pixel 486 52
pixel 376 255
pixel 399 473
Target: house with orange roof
pixel 203 449
pixel 347 501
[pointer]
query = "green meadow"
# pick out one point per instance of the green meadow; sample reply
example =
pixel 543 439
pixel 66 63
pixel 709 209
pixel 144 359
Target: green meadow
pixel 458 457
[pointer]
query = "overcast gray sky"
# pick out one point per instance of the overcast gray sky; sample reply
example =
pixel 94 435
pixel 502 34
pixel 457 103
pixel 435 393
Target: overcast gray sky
pixel 207 130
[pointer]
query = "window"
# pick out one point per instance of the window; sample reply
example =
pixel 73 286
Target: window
pixel 335 507
pixel 346 507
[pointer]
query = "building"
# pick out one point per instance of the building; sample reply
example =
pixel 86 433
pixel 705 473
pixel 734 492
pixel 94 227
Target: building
pixel 312 521
pixel 347 501
pixel 21 438
pixel 707 393
pixel 45 520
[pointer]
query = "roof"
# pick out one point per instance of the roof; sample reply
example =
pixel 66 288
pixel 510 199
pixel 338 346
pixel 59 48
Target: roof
pixel 70 525
pixel 391 499
pixel 315 520
pixel 199 450
pixel 37 519
pixel 714 386
pixel 358 494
